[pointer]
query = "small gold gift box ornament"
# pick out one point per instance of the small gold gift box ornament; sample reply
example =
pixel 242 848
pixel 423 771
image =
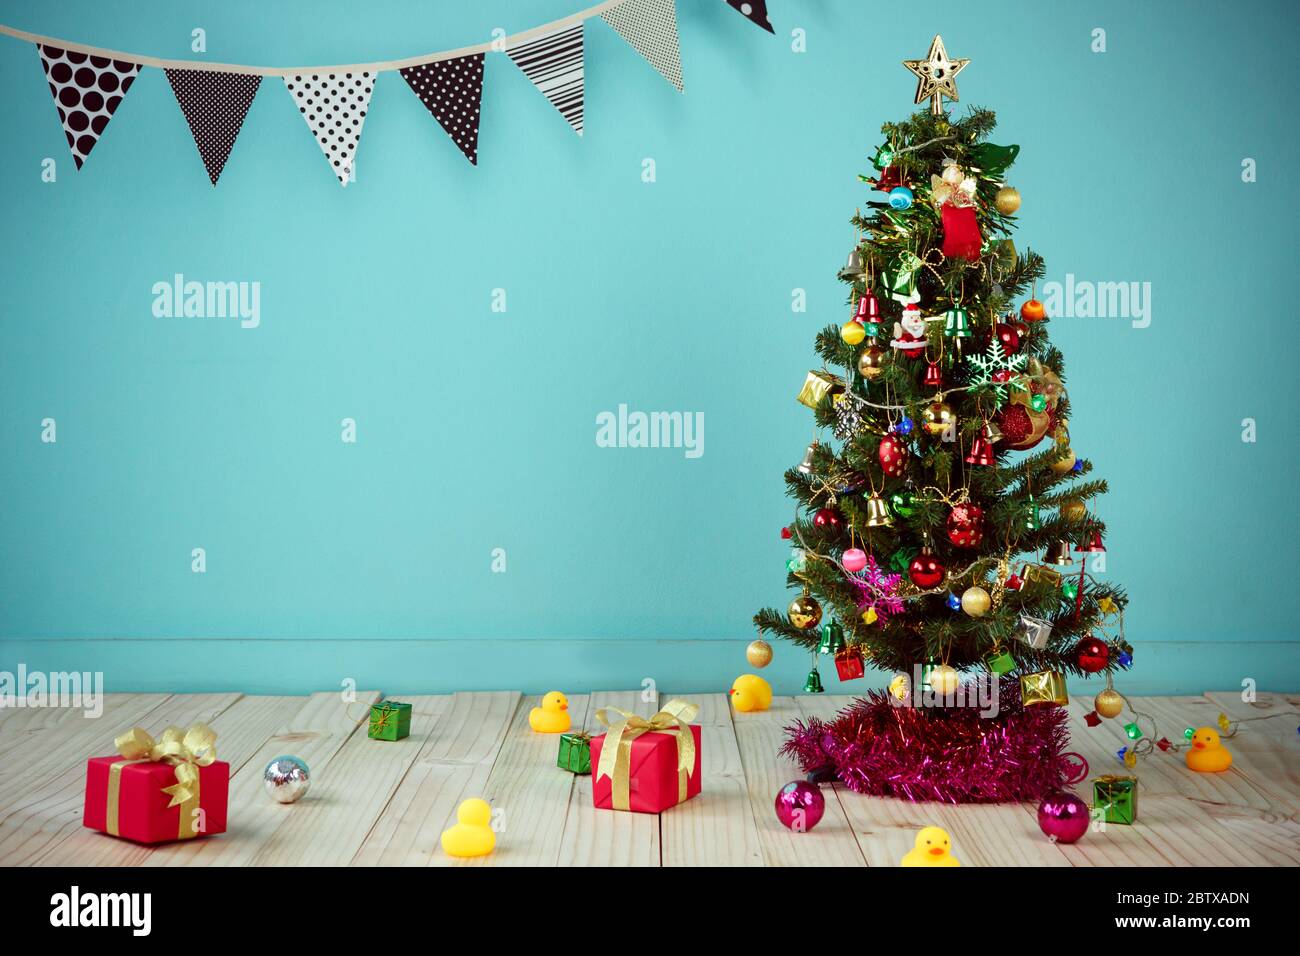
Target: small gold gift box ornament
pixel 1041 574
pixel 817 386
pixel 1043 687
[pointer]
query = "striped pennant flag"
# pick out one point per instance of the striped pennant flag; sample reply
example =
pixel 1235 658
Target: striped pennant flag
pixel 214 105
pixel 651 27
pixel 553 62
pixel 753 10
pixel 87 91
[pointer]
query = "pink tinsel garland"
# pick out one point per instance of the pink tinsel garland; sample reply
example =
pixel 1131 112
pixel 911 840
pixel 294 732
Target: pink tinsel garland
pixel 949 754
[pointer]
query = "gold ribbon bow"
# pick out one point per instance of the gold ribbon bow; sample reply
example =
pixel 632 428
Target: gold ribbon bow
pixel 954 187
pixel 186 750
pixel 616 754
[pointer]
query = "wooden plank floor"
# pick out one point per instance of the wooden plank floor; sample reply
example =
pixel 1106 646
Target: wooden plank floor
pixel 376 803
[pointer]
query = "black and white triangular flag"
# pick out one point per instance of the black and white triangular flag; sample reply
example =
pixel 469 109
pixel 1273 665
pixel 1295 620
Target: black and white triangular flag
pixel 87 92
pixel 651 27
pixel 753 10
pixel 553 62
pixel 452 90
pixel 214 105
pixel 334 106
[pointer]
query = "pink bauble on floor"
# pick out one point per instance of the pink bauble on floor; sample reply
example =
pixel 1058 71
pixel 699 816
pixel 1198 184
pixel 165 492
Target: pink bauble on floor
pixel 799 805
pixel 1063 817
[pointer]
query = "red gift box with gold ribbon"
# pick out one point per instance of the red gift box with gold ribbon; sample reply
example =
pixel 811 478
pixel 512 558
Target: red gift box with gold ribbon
pixel 646 764
pixel 151 791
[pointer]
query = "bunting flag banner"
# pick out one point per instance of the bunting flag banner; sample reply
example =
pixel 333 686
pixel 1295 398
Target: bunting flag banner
pixel 87 91
pixel 452 90
pixel 651 27
pixel 553 61
pixel 214 105
pixel 753 10
pixel 334 106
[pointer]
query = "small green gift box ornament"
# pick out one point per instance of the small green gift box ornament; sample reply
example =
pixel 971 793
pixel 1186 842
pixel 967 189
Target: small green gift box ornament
pixel 1116 798
pixel 390 720
pixel 999 662
pixel 575 752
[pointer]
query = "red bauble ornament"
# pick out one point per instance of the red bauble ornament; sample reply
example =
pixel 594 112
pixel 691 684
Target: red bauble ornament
pixel 893 455
pixel 1008 336
pixel 966 525
pixel 1091 655
pixel 925 570
pixel 828 518
pixel 1013 421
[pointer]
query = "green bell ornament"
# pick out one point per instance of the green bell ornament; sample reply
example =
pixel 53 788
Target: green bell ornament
pixel 956 323
pixel 813 685
pixel 832 638
pixel 1033 520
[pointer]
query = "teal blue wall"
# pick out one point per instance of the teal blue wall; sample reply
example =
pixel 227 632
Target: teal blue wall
pixel 477 430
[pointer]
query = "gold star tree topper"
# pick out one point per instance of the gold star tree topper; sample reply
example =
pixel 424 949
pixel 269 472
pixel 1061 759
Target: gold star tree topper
pixel 936 76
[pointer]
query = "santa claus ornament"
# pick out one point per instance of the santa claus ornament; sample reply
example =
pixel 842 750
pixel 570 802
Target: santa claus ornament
pixel 909 332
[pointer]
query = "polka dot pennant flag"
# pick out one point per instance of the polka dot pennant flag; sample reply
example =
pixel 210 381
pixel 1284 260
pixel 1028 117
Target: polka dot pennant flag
pixel 334 106
pixel 754 11
pixel 651 27
pixel 87 92
pixel 452 90
pixel 553 61
pixel 214 105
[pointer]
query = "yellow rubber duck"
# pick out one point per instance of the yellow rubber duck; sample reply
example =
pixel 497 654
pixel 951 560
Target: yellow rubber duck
pixel 932 849
pixel 472 835
pixel 553 716
pixel 1207 753
pixel 750 692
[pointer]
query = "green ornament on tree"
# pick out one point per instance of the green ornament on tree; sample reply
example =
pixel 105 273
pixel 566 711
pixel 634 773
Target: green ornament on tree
pixel 832 638
pixel 1033 520
pixel 813 685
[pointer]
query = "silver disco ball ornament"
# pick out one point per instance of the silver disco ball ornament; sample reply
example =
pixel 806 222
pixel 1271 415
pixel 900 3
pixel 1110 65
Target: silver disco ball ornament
pixel 287 778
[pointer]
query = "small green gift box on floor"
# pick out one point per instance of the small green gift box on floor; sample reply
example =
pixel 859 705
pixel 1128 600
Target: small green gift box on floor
pixel 1116 798
pixel 390 720
pixel 575 752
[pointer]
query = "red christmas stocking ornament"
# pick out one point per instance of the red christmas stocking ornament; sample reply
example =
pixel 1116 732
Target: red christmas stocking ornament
pixel 961 232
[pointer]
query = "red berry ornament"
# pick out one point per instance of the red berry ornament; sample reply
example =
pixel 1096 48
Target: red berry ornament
pixel 828 519
pixel 966 525
pixel 893 456
pixel 1008 336
pixel 1091 655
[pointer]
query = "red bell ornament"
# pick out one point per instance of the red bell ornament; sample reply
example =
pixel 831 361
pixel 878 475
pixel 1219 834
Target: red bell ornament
pixel 925 571
pixel 1091 655
pixel 933 375
pixel 966 525
pixel 828 519
pixel 892 454
pixel 981 452
pixel 1094 545
pixel 868 309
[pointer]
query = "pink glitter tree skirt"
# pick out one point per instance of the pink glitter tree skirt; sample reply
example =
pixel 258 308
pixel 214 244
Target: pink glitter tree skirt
pixel 950 754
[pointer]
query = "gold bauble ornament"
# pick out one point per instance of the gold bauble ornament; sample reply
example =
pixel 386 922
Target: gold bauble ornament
pixel 852 333
pixel 900 687
pixel 1109 703
pixel 937 418
pixel 871 363
pixel 758 653
pixel 805 613
pixel 1065 464
pixel 1007 200
pixel 1073 510
pixel 975 601
pixel 944 679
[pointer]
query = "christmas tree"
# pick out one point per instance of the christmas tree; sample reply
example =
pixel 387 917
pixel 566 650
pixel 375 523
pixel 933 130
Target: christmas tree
pixel 944 532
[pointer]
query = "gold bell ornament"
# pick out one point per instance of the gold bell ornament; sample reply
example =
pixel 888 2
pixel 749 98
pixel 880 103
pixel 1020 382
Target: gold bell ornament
pixel 878 515
pixel 1058 552
pixel 806 466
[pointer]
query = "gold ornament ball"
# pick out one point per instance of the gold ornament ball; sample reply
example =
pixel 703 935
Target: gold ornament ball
pixel 871 363
pixel 852 333
pixel 1073 510
pixel 975 601
pixel 758 653
pixel 937 418
pixel 944 679
pixel 1065 464
pixel 1109 703
pixel 1007 200
pixel 900 687
pixel 805 612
